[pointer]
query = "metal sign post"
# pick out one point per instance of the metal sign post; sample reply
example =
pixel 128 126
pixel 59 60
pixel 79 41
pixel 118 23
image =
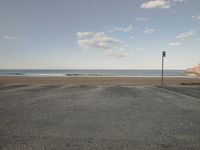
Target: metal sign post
pixel 163 56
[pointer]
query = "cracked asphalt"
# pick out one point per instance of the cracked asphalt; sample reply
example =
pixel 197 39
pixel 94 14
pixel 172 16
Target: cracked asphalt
pixel 57 117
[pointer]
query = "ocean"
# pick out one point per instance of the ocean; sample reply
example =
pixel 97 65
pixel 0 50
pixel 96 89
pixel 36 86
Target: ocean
pixel 93 73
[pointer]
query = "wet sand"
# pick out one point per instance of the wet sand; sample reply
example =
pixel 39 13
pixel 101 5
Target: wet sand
pixel 98 81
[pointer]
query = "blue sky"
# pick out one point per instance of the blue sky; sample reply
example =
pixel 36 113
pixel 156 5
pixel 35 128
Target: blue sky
pixel 99 34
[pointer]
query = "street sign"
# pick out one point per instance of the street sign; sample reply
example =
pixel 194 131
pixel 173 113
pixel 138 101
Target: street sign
pixel 164 54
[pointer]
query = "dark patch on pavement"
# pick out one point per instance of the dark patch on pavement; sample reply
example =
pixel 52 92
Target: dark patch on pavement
pixel 193 91
pixel 8 87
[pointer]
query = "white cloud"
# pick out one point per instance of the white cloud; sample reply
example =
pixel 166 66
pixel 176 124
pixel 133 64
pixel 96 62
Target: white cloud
pixel 123 29
pixel 99 40
pixel 141 19
pixel 149 30
pixel 9 37
pixel 179 0
pixel 185 35
pixel 124 47
pixel 118 54
pixel 175 43
pixel 182 37
pixel 163 4
pixel 96 40
pixel 83 34
pixel 196 17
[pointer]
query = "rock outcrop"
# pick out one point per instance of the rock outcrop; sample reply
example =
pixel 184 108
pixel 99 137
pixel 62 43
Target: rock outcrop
pixel 195 70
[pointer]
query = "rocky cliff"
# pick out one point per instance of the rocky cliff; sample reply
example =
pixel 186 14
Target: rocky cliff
pixel 195 70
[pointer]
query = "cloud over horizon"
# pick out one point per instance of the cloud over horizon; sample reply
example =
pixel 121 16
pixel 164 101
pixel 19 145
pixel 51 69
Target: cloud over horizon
pixel 175 43
pixel 118 54
pixel 96 40
pixel 196 17
pixel 129 28
pixel 182 37
pixel 185 35
pixel 179 0
pixel 9 37
pixel 149 30
pixel 163 4
pixel 99 40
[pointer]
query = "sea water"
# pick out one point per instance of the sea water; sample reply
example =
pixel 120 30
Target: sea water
pixel 93 73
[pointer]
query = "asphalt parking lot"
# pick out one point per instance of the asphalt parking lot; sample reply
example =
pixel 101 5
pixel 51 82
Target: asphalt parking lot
pixel 55 117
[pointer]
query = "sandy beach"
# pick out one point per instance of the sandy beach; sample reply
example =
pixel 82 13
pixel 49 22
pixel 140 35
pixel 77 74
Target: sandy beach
pixel 98 81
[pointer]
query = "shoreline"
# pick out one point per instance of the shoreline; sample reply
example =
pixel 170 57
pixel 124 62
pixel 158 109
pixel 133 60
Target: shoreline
pixel 62 76
pixel 98 81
